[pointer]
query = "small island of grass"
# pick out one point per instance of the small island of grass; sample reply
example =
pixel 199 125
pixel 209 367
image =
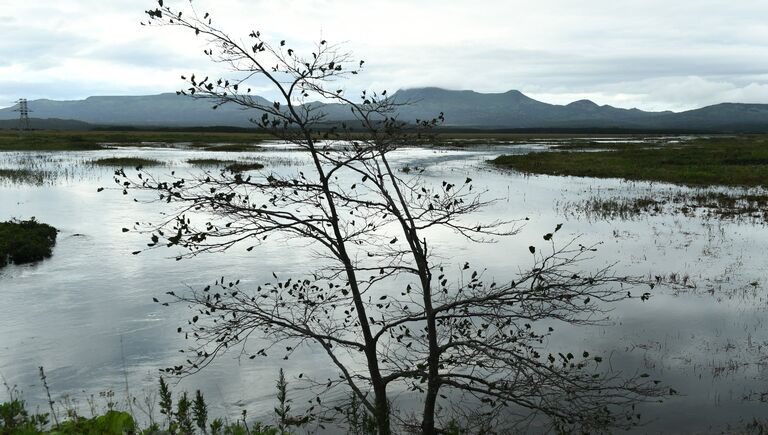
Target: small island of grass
pixel 119 162
pixel 245 166
pixel 210 162
pixel 229 165
pixel 25 241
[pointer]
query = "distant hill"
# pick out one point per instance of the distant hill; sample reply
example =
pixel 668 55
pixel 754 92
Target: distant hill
pixel 513 110
pixel 150 110
pixel 46 124
pixel 467 109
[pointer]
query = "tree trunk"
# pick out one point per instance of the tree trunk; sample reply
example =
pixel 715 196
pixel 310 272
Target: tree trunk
pixel 381 403
pixel 433 360
pixel 428 419
pixel 382 410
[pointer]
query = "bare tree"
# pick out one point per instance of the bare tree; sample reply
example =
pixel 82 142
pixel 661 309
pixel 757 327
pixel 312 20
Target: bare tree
pixel 388 316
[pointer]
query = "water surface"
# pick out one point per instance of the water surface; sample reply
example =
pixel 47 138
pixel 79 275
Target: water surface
pixel 87 315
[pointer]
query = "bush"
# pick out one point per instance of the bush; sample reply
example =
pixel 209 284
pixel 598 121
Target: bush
pixel 25 241
pixel 111 423
pixel 14 419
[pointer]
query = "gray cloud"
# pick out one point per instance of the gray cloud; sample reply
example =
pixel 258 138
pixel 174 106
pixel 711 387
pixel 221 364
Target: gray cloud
pixel 651 53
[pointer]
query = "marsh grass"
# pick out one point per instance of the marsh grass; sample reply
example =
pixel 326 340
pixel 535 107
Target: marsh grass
pixel 125 162
pixel 210 162
pixel 232 147
pixel 37 168
pixel 23 176
pixel 741 206
pixel 727 161
pixel 229 165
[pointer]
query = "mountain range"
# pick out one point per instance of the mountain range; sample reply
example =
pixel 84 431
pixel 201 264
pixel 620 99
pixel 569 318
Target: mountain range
pixel 463 109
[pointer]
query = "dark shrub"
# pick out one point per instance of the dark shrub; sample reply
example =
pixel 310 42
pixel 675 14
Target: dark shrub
pixel 25 241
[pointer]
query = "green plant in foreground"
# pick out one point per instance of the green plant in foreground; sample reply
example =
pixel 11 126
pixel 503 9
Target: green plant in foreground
pixel 359 420
pixel 189 417
pixel 15 419
pixel 200 411
pixel 112 422
pixel 183 417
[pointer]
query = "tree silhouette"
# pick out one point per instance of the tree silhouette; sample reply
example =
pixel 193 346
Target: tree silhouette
pixel 386 313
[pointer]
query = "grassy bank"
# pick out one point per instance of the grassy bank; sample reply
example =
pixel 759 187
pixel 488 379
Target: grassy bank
pixel 728 161
pixel 95 140
pixel 25 241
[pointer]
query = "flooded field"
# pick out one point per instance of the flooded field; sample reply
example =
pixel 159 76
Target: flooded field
pixel 87 315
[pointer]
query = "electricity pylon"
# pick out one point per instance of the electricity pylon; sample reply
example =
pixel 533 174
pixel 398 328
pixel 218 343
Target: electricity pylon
pixel 23 110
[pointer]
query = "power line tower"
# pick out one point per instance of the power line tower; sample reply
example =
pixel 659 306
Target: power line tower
pixel 23 110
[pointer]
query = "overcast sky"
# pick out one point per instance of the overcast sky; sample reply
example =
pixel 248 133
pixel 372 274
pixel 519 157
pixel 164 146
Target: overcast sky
pixel 650 54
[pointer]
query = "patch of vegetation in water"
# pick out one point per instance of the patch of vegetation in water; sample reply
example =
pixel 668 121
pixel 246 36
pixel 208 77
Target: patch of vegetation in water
pixel 727 161
pixel 232 147
pixel 245 166
pixel 23 176
pixel 120 162
pixel 210 162
pixel 229 165
pixel 751 207
pixel 25 241
pixel 596 145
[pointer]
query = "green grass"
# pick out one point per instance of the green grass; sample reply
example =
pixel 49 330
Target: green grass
pixel 25 241
pixel 728 161
pixel 45 142
pixel 120 162
pixel 94 140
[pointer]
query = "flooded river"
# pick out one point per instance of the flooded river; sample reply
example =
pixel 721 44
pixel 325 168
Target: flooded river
pixel 87 315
